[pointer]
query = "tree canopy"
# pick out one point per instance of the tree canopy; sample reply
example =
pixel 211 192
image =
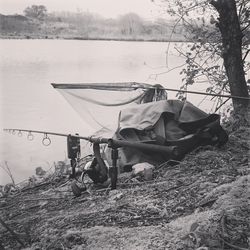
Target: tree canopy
pixel 36 11
pixel 220 32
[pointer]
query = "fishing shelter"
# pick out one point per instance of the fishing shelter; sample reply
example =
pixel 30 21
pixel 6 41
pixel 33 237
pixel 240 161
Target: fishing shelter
pixel 138 112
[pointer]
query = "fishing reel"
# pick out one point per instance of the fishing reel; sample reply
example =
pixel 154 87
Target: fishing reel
pixel 95 172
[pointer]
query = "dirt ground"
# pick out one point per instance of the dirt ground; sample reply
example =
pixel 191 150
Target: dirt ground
pixel 201 203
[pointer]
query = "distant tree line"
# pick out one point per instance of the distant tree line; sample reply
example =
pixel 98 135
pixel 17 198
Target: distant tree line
pixel 129 24
pixel 38 22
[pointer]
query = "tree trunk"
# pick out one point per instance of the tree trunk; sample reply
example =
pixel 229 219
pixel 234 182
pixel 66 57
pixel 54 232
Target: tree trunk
pixel 232 52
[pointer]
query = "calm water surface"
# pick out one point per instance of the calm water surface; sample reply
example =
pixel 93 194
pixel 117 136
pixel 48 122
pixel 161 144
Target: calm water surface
pixel 28 101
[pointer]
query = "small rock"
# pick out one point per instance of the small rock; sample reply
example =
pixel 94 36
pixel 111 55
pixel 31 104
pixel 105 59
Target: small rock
pixel 144 170
pixel 179 209
pixel 43 204
pixel 3 203
pixel 194 226
pixel 115 195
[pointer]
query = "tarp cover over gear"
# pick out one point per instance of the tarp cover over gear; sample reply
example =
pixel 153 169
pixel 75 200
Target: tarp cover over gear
pixel 166 122
pixel 141 112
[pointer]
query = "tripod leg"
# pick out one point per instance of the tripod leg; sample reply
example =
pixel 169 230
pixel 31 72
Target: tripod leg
pixel 73 167
pixel 113 169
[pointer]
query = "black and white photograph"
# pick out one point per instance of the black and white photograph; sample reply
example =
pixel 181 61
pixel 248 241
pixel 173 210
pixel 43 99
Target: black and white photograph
pixel 124 125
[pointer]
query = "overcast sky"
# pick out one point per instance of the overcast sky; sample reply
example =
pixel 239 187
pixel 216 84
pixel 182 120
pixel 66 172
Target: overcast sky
pixel 106 8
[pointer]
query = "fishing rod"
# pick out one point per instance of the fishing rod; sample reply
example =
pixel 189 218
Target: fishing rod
pixel 73 147
pixel 208 94
pixel 100 140
pixel 30 136
pixel 134 86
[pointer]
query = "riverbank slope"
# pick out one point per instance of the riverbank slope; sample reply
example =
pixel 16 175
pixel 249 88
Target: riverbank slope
pixel 200 203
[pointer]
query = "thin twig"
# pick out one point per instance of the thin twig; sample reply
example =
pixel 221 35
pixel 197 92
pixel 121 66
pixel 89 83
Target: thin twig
pixel 37 186
pixel 243 29
pixel 9 171
pixel 62 245
pixel 165 72
pixel 49 198
pixel 245 56
pixel 233 246
pixel 222 222
pixel 168 164
pixel 170 37
pixel 217 108
pixel 12 232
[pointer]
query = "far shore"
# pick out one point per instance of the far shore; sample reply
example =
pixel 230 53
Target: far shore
pixel 42 37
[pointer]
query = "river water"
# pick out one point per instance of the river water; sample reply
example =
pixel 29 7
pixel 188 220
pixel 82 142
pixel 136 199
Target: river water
pixel 28 101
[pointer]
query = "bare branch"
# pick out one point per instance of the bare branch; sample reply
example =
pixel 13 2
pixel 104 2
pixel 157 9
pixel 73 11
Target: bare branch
pixel 12 232
pixel 223 103
pixel 243 29
pixel 165 72
pixel 245 56
pixel 241 8
pixel 8 171
pixel 172 32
